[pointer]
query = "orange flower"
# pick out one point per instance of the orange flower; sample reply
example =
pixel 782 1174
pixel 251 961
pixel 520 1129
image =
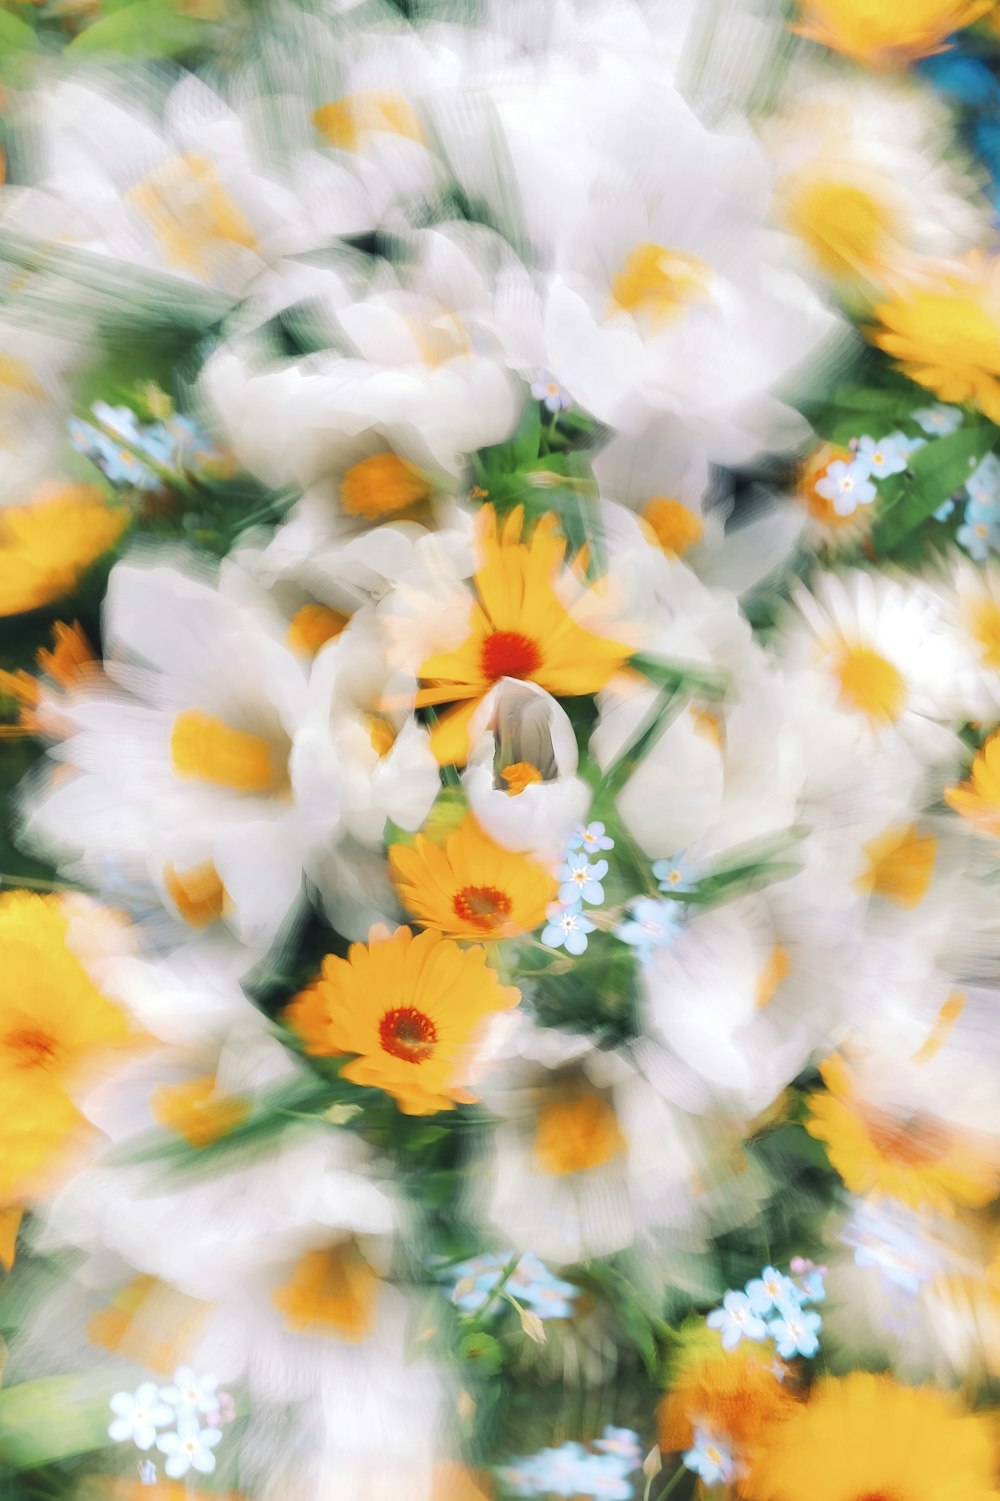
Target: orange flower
pixel 411 1008
pixel 518 628
pixel 471 887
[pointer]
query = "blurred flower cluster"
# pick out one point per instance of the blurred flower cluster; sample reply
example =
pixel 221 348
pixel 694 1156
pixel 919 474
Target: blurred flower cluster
pixel 500 737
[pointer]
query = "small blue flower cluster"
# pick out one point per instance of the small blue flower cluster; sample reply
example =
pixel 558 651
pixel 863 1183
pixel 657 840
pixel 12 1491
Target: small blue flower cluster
pixel 601 1470
pixel 546 389
pixel 531 1282
pixel 773 1306
pixel 180 445
pixel 580 880
pixel 149 1416
pixel 979 533
pixel 849 485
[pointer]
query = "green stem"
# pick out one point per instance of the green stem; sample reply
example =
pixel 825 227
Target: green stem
pixel 672 1482
pixel 498 1290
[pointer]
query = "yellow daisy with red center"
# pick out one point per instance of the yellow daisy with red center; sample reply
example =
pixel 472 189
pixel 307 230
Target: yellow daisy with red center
pixel 411 1009
pixel 518 627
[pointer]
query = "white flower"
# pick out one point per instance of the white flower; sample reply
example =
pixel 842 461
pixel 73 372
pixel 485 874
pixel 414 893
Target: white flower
pixel 139 1414
pixel 190 1393
pixel 189 1448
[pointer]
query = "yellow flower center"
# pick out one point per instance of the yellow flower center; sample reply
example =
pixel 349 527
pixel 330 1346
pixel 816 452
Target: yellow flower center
pixel 197 893
pixel 847 228
pixel 31 1047
pixel 206 749
pixel 345 122
pixel 900 866
pixel 312 627
pixel 190 212
pixel 674 526
pixel 518 775
pixel 576 1134
pixel 660 283
pixel 331 1292
pixel 871 683
pixel 196 1111
pixel 380 733
pixel 381 486
pixel 983 616
pixel 912 1141
pixel 771 976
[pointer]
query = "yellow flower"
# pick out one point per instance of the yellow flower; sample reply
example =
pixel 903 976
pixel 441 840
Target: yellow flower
pixel 734 1394
pixel 53 1020
pixel 48 545
pixel 471 887
pixel 518 628
pixel 978 799
pixel 887 33
pixel 410 1008
pixel 919 1159
pixel 867 1438
pixel 943 331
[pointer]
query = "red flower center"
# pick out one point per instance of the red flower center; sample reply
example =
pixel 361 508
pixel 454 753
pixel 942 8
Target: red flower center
pixel 484 906
pixel 33 1048
pixel 408 1034
pixel 508 654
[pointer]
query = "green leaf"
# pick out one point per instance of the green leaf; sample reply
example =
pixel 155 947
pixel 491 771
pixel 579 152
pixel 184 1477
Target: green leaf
pixel 29 1436
pixel 15 35
pixel 149 28
pixel 934 473
pixel 527 440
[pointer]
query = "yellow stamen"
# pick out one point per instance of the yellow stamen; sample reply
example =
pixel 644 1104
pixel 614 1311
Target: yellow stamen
pixel 333 1291
pixel 312 627
pixel 380 733
pixel 900 866
pixel 197 893
pixel 674 526
pixel 576 1134
pixel 195 1111
pixel 846 228
pixel 346 122
pixel 190 212
pixel 518 775
pixel 871 683
pixel 206 749
pixel 381 486
pixel 660 283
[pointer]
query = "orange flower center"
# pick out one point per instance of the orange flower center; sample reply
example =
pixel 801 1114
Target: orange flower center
pixel 508 654
pixel 518 775
pixel 910 1141
pixel 408 1034
pixel 483 905
pixel 31 1047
